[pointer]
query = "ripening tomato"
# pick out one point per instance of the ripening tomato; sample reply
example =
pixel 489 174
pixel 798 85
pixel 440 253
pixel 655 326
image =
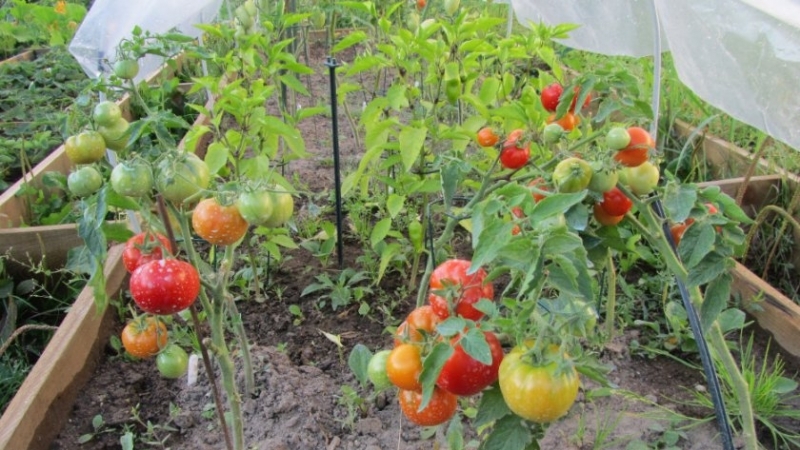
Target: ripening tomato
pixel 463 375
pixel 85 148
pixel 143 248
pixel 677 231
pixel 514 157
pixel 638 149
pixel 282 207
pixel 439 410
pixel 487 137
pixel 615 203
pixel 572 175
pixel 521 382
pixel 404 365
pixel 711 208
pixel 421 4
pixel 604 218
pixel 643 178
pixel 538 183
pixel 568 121
pixel 218 224
pixel 452 289
pixel 165 286
pixel 420 322
pixel 144 336
pixel 551 95
pixel 513 138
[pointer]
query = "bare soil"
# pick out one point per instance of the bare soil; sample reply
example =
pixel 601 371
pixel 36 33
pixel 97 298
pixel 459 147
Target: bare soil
pixel 300 373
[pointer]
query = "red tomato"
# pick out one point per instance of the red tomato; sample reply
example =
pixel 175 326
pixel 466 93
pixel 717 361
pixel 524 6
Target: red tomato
pixel 513 138
pixel 538 183
pixel 586 102
pixel 404 366
pixel 452 289
pixel 637 150
pixel 615 203
pixel 165 286
pixel 138 252
pixel 677 231
pixel 420 320
pixel 421 4
pixel 514 157
pixel 487 137
pixel 463 375
pixel 550 96
pixel 604 218
pixel 218 224
pixel 440 409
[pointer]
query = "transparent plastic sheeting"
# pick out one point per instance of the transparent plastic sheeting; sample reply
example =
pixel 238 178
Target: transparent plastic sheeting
pixel 742 56
pixel 108 22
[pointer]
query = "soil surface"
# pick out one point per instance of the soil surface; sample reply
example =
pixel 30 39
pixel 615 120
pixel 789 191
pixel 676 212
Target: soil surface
pixel 299 401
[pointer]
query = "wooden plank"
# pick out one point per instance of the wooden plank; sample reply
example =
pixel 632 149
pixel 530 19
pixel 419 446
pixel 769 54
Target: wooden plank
pixel 774 311
pixel 761 190
pixel 24 56
pixel 43 402
pixel 33 245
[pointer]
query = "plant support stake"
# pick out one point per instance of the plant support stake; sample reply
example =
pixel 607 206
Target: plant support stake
pixel 332 64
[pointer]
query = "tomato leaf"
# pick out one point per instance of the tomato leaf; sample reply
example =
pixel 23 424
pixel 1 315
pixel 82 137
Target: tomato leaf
pixel 451 326
pixel 697 242
pixel 455 434
pixel 359 361
pixel 509 433
pixel 717 294
pixel 492 407
pixel 678 200
pixel 431 367
pixel 555 204
pixel 475 345
pixel 712 266
pixel 731 319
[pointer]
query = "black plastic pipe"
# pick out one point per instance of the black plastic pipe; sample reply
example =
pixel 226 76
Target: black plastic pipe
pixel 332 65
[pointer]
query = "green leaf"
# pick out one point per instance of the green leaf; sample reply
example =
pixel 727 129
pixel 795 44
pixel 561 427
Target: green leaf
pixel 358 362
pixel 397 97
pixel 712 266
pixel 126 441
pixel 349 41
pixel 216 157
pixel 379 231
pixel 696 243
pixel 455 434
pixel 451 177
pixel 395 204
pixel 451 326
pixel 475 345
pixel 555 204
pixel 491 240
pixel 431 367
pixel 116 231
pixel 489 89
pixel 678 200
pixel 492 407
pixel 387 255
pixel 411 141
pixel 717 295
pixel 731 319
pixel 294 84
pixel 509 433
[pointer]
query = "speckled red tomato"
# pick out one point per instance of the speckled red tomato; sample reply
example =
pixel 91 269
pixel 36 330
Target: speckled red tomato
pixel 453 289
pixel 143 248
pixel 463 375
pixel 440 409
pixel 165 286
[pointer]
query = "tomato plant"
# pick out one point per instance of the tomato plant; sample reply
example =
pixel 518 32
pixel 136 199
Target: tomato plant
pixel 439 410
pixel 463 375
pixel 554 388
pixel 172 362
pixel 572 175
pixel 218 224
pixel 453 290
pixel 376 370
pixel 84 181
pixel 85 148
pixel 143 248
pixel 182 178
pixel 133 179
pixel 419 323
pixel 615 203
pixel 164 286
pixel 404 365
pixel 487 137
pixel 514 157
pixel 144 336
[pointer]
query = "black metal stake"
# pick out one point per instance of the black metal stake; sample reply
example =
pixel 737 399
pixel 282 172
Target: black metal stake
pixel 332 64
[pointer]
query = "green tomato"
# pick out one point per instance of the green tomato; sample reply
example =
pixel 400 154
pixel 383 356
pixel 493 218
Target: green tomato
pixel 85 148
pixel 451 6
pixel 106 113
pixel 172 361
pixel 115 134
pixel 133 179
pixel 255 207
pixel 603 180
pixel 572 175
pixel 283 207
pixel 552 133
pixel 580 317
pixel 643 178
pixel 84 181
pixel 127 69
pixel 617 138
pixel 182 177
pixel 376 370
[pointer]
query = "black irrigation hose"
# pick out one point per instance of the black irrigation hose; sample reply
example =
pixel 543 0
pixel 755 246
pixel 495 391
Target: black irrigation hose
pixel 702 346
pixel 332 65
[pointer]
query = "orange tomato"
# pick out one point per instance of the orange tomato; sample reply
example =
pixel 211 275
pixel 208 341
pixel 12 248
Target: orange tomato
pixel 568 122
pixel 218 224
pixel 144 337
pixel 404 366
pixel 487 137
pixel 420 320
